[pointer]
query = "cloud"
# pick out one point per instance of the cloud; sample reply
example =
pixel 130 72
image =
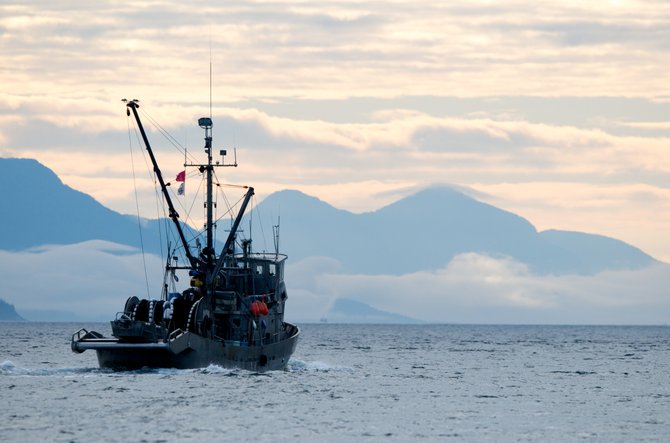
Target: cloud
pixel 348 49
pixel 657 125
pixel 603 32
pixel 475 288
pixel 91 279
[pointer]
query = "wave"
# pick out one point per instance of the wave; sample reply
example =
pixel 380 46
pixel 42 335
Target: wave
pixel 217 370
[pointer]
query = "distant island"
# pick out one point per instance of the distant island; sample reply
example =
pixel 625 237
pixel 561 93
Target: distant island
pixel 351 311
pixel 8 313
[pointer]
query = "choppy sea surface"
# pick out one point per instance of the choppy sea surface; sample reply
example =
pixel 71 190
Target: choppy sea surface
pixel 353 383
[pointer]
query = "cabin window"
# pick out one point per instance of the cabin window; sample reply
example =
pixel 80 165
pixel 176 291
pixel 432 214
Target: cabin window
pixel 259 269
pixel 273 269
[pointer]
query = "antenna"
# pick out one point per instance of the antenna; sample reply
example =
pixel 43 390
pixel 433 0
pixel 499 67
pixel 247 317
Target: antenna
pixel 210 71
pixel 275 228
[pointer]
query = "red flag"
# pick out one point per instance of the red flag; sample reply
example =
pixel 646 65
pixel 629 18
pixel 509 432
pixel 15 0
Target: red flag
pixel 181 177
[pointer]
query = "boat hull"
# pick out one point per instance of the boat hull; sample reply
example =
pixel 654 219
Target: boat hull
pixel 189 350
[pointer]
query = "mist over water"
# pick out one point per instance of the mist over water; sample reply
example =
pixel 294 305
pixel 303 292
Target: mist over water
pixel 353 383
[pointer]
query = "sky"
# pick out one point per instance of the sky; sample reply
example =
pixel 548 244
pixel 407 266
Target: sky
pixel 558 111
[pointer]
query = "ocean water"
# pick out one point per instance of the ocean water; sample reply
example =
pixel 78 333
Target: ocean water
pixel 353 383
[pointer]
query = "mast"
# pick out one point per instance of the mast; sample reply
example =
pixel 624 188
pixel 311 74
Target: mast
pixel 206 124
pixel 213 265
pixel 133 105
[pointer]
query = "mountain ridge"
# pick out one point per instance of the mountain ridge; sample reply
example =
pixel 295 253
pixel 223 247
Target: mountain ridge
pixel 345 310
pixel 54 213
pixel 424 231
pixel 8 312
pixel 427 229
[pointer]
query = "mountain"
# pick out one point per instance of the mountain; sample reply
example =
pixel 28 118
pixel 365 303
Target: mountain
pixel 56 315
pixel 426 230
pixel 421 232
pixel 350 311
pixel 46 211
pixel 8 313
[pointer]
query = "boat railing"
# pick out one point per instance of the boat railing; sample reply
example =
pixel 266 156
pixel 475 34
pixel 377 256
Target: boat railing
pixel 174 334
pixel 272 337
pixel 122 316
pixel 81 333
pixel 264 256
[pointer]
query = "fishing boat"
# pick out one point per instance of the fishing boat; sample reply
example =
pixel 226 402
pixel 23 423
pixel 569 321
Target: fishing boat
pixel 232 313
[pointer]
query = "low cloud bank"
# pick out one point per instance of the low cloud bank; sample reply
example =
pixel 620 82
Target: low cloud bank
pixel 476 288
pixel 93 279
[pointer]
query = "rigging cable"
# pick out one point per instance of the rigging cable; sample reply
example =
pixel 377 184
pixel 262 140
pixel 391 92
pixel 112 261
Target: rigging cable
pixel 163 222
pixel 199 233
pixel 187 155
pixel 173 141
pixel 169 234
pixel 151 173
pixel 137 207
pixel 225 201
pixel 255 207
pixel 230 208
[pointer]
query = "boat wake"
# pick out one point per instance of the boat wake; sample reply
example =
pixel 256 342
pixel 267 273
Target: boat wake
pixel 295 365
pixel 9 368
